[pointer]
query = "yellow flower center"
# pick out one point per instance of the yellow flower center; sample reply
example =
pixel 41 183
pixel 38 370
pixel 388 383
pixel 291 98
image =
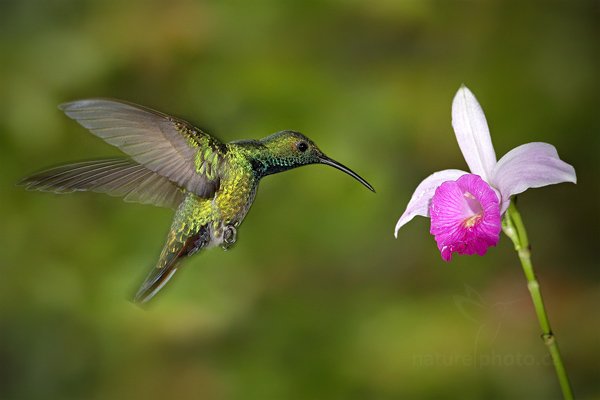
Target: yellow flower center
pixel 472 221
pixel 475 208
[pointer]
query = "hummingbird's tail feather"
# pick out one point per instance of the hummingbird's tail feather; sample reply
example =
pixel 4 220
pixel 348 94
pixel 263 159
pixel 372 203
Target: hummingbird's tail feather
pixel 168 262
pixel 155 281
pixel 116 177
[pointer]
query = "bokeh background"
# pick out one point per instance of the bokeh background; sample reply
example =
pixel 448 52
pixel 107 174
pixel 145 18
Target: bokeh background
pixel 318 300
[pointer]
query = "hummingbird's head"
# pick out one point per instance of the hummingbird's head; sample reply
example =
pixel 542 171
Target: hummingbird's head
pixel 291 149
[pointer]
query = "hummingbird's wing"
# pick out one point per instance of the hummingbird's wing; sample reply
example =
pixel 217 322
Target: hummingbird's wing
pixel 116 177
pixel 177 247
pixel 169 146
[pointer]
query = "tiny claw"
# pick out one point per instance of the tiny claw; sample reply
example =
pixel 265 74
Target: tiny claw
pixel 229 237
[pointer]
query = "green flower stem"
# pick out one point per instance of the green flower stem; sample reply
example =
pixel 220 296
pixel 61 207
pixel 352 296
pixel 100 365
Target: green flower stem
pixel 513 227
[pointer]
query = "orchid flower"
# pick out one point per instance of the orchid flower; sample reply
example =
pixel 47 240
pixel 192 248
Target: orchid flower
pixel 465 209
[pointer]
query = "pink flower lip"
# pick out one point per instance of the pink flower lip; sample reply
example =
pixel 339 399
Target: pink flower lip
pixel 465 216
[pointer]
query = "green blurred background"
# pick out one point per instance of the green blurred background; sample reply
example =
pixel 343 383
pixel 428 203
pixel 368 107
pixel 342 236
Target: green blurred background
pixel 317 300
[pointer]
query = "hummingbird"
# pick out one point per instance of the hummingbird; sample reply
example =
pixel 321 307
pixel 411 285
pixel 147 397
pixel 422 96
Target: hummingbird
pixel 171 163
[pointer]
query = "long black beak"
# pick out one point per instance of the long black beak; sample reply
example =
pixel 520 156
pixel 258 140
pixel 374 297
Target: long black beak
pixel 328 161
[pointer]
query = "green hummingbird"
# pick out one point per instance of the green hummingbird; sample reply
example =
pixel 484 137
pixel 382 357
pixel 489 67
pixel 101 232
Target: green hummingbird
pixel 171 163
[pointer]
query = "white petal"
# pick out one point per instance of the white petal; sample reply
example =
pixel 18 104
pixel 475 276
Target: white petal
pixel 419 202
pixel 530 165
pixel 472 133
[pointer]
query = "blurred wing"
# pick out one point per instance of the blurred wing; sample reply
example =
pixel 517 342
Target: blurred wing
pixel 116 177
pixel 166 145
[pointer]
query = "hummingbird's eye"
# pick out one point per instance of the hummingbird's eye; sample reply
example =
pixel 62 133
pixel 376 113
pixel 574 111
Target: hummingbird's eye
pixel 302 147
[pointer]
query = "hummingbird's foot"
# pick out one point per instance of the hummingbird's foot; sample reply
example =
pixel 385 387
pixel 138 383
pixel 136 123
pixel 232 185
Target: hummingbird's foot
pixel 229 237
